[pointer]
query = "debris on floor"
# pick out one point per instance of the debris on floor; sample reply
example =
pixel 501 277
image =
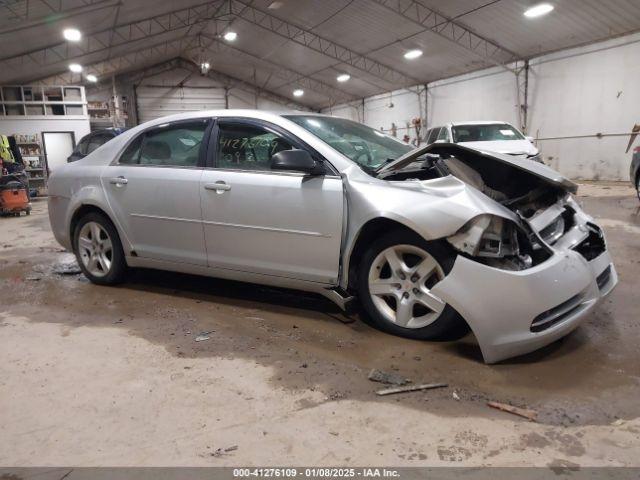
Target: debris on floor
pixel 219 452
pixel 204 336
pixel 389 378
pixel 456 397
pixel 67 265
pixel 531 415
pixel 411 388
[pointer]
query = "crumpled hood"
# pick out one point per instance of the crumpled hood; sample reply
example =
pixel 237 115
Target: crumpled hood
pixel 539 170
pixel 510 147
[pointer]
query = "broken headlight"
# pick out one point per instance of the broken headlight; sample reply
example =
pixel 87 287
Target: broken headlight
pixel 500 243
pixel 487 236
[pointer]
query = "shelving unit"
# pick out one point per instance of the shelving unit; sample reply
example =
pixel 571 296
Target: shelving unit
pixel 32 153
pixel 103 114
pixel 28 101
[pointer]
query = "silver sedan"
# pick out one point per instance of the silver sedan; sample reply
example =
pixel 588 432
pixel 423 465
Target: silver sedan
pixel 431 241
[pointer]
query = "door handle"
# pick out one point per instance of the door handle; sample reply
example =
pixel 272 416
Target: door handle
pixel 118 181
pixel 219 187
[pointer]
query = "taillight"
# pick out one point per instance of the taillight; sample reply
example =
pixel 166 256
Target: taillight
pixel 636 150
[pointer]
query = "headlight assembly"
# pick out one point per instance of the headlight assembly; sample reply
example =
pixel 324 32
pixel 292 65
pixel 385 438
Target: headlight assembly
pixel 500 243
pixel 487 236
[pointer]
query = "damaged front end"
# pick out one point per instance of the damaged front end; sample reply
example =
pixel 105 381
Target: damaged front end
pixel 538 196
pixel 528 270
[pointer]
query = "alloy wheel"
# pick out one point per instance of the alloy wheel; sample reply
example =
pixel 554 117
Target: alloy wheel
pixel 95 248
pixel 400 280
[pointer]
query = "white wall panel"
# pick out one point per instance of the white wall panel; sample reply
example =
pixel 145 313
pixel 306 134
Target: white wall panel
pixel 154 102
pixel 585 91
pixel 486 95
pixel 577 92
pixel 30 125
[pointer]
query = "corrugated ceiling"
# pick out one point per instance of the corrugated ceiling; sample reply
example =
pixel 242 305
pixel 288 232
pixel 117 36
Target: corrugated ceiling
pixel 363 26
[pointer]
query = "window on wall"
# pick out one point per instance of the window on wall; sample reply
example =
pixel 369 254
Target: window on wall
pixel 247 147
pixel 176 145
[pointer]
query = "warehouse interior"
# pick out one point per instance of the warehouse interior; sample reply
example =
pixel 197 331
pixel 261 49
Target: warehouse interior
pixel 177 370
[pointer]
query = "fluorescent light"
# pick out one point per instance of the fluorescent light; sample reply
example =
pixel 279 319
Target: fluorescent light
pixel 75 67
pixel 344 77
pixel 230 36
pixel 298 92
pixel 538 10
pixel 72 34
pixel 92 78
pixel 275 5
pixel 413 54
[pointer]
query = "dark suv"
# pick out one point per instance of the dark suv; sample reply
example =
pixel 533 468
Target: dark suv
pixel 635 169
pixel 92 141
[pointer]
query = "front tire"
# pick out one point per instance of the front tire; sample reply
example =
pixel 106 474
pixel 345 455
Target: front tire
pixel 395 279
pixel 98 250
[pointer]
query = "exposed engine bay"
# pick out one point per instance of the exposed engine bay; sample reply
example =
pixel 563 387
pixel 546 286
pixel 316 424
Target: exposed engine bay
pixel 543 205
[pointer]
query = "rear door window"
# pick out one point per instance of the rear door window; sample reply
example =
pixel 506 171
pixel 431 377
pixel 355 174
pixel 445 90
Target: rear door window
pixel 174 145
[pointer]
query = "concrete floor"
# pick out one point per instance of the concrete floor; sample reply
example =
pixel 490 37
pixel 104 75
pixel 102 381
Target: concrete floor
pixel 97 376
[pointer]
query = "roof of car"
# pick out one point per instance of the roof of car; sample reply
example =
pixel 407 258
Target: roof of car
pixel 478 122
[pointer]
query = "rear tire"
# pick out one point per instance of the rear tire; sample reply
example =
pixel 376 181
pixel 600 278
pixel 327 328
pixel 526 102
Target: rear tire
pixel 98 250
pixel 397 298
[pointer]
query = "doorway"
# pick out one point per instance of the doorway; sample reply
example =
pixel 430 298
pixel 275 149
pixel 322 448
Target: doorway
pixel 57 148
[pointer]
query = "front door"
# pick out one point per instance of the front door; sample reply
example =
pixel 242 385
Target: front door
pixel 154 191
pixel 270 222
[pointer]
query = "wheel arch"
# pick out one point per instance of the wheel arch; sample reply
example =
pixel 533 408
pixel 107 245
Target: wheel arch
pixel 370 231
pixel 82 210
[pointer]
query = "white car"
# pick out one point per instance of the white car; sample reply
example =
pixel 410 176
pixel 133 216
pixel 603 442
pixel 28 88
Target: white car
pixel 490 136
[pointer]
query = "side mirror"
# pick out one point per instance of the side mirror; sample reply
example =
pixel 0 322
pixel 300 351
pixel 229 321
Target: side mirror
pixel 296 161
pixel 531 139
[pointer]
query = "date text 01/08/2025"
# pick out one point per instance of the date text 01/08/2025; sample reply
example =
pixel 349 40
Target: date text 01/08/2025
pixel 316 472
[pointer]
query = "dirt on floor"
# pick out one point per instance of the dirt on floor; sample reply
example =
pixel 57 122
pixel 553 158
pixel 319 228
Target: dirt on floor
pixel 172 369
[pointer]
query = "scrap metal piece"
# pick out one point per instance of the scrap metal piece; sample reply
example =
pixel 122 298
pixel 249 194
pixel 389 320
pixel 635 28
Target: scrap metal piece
pixel 530 415
pixel 411 388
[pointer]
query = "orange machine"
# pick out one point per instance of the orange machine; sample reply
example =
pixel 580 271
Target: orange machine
pixel 13 196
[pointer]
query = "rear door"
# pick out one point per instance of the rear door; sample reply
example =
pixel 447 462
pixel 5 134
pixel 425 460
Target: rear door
pixel 154 190
pixel 257 220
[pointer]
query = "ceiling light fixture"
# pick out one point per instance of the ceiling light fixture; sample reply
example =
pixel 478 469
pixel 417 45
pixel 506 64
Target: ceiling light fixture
pixel 538 10
pixel 75 67
pixel 413 54
pixel 72 34
pixel 275 5
pixel 298 92
pixel 343 78
pixel 92 78
pixel 230 36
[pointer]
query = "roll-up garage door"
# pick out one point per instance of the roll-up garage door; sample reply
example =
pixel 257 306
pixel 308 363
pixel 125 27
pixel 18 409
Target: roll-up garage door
pixel 155 102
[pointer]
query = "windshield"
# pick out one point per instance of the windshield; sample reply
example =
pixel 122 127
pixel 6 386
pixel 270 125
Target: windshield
pixel 367 147
pixel 485 133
